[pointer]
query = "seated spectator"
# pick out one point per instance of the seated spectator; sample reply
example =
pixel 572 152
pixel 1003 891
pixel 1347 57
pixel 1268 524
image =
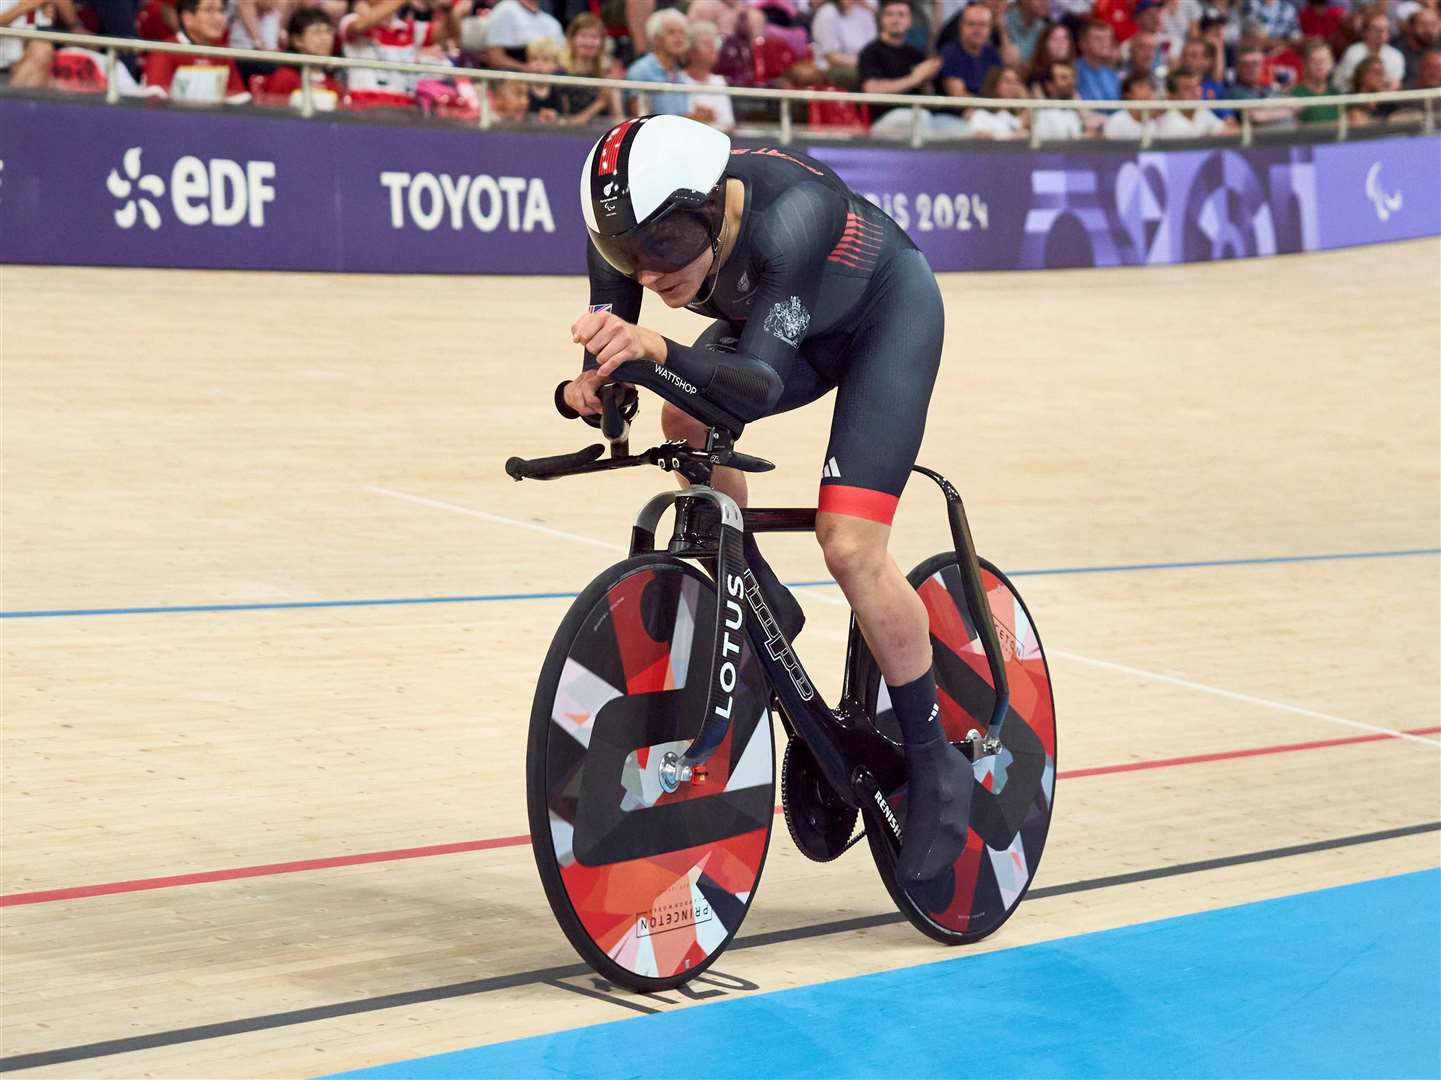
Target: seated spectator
pixel 510 102
pixel 1132 124
pixel 714 109
pixel 543 58
pixel 1201 58
pixel 586 53
pixel 1428 71
pixel 1141 55
pixel 1188 123
pixel 1002 82
pixel 27 63
pixel 1148 21
pixel 378 31
pixel 1277 19
pixel 511 26
pixel 1249 85
pixel 950 29
pixel 1024 23
pixel 311 32
pixel 666 32
pixel 839 31
pixel 1056 44
pixel 197 79
pixel 889 66
pixel 1316 65
pixel 1370 78
pixel 1248 80
pixel 1280 63
pixel 1375 29
pixel 1419 34
pixel 1096 76
pixel 967 61
pixel 1054 125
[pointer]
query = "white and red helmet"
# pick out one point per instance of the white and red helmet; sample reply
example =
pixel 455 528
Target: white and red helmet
pixel 652 192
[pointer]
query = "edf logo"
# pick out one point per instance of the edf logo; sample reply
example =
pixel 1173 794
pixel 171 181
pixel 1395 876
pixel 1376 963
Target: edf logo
pixel 215 192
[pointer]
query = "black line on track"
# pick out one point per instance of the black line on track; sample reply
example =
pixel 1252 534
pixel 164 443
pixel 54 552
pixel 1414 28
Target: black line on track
pixel 271 1021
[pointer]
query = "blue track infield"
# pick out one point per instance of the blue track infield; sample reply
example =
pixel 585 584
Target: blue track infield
pixel 1344 982
pixel 285 605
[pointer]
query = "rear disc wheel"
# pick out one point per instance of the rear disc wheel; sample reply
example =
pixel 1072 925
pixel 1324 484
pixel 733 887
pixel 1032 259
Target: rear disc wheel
pixel 1014 794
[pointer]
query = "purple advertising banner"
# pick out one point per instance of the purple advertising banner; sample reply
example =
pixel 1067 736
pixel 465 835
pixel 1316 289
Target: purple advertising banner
pixel 88 184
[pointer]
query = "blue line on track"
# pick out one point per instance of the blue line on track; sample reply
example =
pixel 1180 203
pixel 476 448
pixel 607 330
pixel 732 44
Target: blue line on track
pixel 1119 568
pixel 1342 982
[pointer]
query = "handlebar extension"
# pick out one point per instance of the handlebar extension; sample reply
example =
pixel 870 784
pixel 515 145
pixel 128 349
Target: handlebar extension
pixel 547 468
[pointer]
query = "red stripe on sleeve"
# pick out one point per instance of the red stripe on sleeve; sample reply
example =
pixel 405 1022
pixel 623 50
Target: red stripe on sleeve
pixel 858 502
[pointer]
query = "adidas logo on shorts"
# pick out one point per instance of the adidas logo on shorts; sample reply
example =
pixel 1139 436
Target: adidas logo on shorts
pixel 831 471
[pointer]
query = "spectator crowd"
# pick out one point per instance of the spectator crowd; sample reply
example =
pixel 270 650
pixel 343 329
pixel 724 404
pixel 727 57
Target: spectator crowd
pixel 1211 51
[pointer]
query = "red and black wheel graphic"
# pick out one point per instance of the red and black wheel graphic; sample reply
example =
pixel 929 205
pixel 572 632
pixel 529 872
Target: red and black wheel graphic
pixel 1015 787
pixel 649 886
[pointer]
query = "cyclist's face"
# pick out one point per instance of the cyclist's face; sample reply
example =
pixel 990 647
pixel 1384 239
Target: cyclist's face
pixel 679 287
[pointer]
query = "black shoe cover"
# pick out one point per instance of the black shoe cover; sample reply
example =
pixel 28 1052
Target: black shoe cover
pixel 938 810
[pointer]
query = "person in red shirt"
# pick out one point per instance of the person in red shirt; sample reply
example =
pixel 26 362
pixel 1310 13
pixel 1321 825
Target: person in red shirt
pixel 1119 15
pixel 1325 20
pixel 202 22
pixel 310 31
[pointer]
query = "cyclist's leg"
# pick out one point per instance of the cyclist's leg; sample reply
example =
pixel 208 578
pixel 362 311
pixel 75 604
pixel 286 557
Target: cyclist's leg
pixel 876 433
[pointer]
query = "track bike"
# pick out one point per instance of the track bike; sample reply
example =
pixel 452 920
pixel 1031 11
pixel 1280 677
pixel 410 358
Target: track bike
pixel 650 769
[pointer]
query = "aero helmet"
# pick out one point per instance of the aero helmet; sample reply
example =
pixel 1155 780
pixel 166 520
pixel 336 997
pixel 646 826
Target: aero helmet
pixel 652 192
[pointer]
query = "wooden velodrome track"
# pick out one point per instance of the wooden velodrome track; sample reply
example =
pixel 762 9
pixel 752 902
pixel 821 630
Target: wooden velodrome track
pixel 194 800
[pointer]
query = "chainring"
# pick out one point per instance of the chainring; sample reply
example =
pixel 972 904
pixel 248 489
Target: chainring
pixel 820 822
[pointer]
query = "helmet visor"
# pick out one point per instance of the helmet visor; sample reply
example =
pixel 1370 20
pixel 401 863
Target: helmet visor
pixel 667 241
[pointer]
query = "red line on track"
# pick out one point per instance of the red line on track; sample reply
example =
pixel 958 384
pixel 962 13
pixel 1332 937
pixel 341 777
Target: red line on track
pixel 270 869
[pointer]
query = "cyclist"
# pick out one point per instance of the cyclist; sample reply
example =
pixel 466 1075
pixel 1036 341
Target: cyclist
pixel 812 289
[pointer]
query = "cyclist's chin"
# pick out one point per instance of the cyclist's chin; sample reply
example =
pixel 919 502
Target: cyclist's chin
pixel 678 294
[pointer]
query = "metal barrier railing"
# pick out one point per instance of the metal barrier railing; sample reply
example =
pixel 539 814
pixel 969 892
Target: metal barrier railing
pixel 1425 99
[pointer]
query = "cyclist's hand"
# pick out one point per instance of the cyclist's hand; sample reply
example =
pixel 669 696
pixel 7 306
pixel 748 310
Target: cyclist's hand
pixel 583 393
pixel 613 341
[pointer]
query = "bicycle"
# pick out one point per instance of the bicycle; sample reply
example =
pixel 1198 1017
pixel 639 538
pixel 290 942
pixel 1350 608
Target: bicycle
pixel 650 766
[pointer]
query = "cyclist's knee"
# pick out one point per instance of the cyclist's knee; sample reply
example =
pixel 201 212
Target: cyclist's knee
pixel 853 547
pixel 676 424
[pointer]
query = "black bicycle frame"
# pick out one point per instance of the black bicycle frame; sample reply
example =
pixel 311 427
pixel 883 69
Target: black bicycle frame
pixel 858 761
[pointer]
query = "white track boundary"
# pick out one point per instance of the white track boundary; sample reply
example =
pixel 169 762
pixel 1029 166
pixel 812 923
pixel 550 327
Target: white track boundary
pixel 516 523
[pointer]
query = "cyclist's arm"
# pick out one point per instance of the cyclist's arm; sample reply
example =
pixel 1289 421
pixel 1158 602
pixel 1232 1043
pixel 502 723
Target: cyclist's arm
pixel 791 245
pixel 609 290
